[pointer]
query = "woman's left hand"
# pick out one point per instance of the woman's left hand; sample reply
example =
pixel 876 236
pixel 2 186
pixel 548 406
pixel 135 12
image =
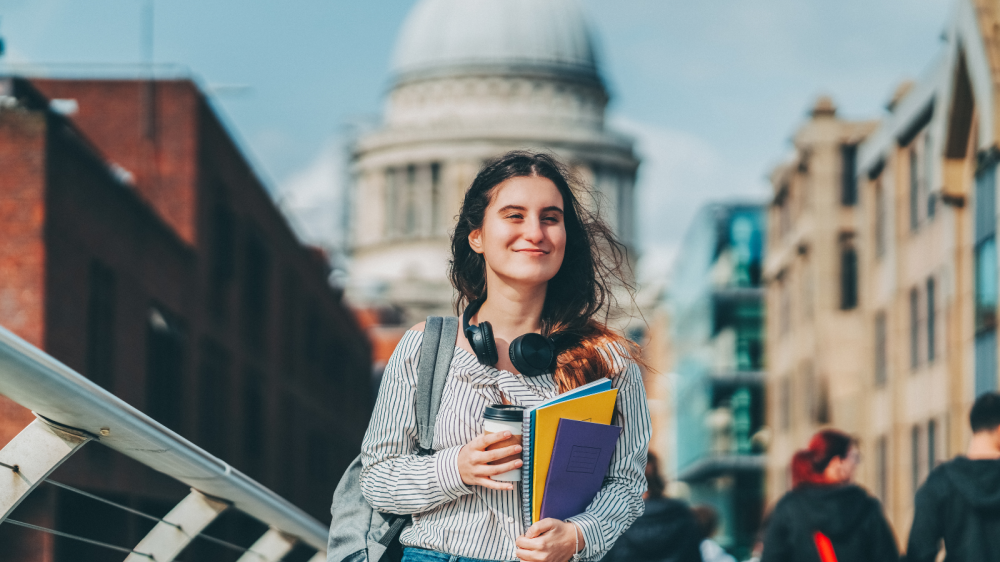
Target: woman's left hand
pixel 549 540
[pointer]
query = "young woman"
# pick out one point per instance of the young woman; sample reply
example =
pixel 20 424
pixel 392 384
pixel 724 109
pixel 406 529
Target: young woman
pixel 826 517
pixel 527 257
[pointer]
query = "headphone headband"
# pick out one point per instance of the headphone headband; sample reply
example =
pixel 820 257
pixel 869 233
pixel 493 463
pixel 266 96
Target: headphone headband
pixel 532 354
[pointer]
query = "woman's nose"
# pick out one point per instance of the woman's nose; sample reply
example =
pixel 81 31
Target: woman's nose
pixel 533 230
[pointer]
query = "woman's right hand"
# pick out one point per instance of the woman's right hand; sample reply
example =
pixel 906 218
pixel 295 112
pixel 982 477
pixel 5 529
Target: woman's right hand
pixel 474 459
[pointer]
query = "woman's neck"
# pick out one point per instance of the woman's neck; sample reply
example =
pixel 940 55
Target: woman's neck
pixel 513 311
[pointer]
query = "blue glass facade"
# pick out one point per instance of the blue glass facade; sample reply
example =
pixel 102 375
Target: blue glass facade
pixel 716 300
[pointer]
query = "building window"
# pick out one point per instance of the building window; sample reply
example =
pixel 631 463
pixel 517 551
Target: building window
pixel 986 280
pixel 785 407
pixel 848 278
pixel 222 267
pixel 986 285
pixel 931 445
pixel 928 182
pixel 931 320
pixel 881 350
pixel 101 325
pixel 436 202
pixel 914 189
pixel 849 182
pixel 253 423
pixel 213 401
pixel 807 289
pixel 165 368
pixel 914 329
pixel 915 464
pixel 392 203
pixel 785 312
pixel 410 220
pixel 882 469
pixel 881 221
pixel 255 292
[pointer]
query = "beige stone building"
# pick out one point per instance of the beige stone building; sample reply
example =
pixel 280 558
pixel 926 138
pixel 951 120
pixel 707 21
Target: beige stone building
pixel 813 311
pixel 901 368
pixel 470 81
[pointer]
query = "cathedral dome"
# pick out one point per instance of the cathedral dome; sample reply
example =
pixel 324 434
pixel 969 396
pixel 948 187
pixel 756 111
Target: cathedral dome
pixel 448 37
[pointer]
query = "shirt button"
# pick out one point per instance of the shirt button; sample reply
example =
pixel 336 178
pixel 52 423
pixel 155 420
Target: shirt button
pixel 510 519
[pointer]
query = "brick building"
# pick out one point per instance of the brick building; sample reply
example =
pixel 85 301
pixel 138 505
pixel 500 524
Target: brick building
pixel 141 250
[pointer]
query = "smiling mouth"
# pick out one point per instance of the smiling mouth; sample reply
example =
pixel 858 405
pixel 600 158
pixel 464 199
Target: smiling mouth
pixel 537 252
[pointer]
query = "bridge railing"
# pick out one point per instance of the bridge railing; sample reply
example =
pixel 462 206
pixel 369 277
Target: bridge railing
pixel 71 411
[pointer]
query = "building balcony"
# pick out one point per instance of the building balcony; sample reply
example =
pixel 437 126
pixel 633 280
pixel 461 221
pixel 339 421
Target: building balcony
pixel 722 464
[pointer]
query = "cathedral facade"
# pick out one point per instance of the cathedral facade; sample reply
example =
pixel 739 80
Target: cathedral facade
pixel 471 80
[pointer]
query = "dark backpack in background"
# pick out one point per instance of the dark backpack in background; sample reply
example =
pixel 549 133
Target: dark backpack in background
pixel 359 533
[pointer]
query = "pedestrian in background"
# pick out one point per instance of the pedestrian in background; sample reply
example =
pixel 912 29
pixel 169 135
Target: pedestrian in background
pixel 826 517
pixel 960 501
pixel 708 525
pixel 665 532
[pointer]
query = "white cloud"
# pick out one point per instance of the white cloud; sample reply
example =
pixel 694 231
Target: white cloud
pixel 680 172
pixel 313 198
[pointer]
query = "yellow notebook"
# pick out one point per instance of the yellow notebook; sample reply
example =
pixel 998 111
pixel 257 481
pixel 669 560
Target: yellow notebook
pixel 596 408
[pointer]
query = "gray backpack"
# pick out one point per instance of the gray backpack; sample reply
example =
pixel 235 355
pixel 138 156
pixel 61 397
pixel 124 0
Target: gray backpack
pixel 359 533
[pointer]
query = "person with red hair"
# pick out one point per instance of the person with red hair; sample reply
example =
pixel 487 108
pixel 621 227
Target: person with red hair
pixel 826 517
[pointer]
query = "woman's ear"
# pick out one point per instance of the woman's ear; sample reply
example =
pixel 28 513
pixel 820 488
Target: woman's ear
pixel 476 240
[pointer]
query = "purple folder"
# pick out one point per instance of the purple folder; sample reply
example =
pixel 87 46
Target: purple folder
pixel 580 460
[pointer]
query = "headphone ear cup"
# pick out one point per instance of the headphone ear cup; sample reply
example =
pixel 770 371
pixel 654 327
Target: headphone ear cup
pixel 489 345
pixel 532 354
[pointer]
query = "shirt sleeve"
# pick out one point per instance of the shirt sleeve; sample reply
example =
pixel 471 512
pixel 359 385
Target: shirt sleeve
pixel 394 479
pixel 619 502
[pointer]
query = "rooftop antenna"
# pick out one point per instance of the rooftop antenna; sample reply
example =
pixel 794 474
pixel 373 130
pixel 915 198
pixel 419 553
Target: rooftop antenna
pixel 147 59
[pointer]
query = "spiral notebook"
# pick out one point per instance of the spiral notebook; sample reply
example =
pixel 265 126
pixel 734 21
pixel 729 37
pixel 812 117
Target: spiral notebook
pixel 594 402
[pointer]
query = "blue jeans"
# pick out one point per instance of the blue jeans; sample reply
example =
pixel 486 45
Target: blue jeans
pixel 411 554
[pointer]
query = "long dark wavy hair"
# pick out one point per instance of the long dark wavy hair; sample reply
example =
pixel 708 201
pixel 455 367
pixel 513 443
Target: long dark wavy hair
pixel 594 261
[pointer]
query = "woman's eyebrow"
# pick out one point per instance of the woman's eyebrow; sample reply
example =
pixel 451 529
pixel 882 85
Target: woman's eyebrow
pixel 506 208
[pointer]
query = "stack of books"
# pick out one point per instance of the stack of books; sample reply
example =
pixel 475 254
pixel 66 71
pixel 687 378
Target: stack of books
pixel 567 448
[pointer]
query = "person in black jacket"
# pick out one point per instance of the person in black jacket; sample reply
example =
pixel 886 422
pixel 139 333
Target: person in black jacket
pixel 960 501
pixel 826 518
pixel 665 532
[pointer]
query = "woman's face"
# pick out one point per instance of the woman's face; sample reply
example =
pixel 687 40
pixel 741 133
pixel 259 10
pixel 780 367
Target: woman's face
pixel 523 236
pixel 842 470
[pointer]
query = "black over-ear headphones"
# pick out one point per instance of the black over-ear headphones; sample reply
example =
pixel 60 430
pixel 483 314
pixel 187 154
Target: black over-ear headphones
pixel 532 354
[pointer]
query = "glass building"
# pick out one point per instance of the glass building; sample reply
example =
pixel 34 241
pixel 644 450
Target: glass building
pixel 716 300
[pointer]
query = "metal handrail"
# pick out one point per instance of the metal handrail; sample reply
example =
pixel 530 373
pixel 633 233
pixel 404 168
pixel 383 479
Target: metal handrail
pixel 55 392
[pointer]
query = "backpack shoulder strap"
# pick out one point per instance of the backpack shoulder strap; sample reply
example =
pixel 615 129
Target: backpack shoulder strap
pixel 436 351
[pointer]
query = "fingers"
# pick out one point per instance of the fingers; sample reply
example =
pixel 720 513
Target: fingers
pixel 485 440
pixel 540 527
pixel 494 469
pixel 497 454
pixel 487 482
pixel 530 555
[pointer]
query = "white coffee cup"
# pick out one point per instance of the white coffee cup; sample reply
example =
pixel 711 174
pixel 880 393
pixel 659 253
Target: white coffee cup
pixel 499 418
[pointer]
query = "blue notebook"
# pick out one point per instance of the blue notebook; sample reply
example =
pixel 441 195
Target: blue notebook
pixel 581 457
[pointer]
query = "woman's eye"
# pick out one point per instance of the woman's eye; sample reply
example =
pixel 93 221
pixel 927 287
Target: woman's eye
pixel 552 220
pixel 515 216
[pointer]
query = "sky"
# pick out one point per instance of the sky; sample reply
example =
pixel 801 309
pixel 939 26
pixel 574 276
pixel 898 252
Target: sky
pixel 711 90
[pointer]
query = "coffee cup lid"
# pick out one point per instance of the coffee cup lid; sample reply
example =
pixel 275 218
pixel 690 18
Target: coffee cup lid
pixel 504 412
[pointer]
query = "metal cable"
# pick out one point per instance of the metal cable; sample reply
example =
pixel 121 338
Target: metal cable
pixel 14 467
pixel 221 542
pixel 209 538
pixel 112 503
pixel 77 538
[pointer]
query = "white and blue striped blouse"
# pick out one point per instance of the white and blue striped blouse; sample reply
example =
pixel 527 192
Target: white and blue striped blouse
pixel 477 522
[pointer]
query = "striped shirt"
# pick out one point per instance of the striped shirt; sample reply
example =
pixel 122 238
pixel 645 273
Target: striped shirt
pixel 476 522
